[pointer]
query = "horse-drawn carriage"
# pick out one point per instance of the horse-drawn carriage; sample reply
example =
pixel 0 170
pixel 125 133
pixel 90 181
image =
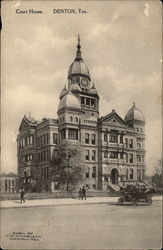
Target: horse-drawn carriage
pixel 134 194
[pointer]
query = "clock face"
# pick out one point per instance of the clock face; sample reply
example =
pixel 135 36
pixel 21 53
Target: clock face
pixel 84 82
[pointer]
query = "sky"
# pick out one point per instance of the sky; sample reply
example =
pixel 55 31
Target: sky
pixel 120 43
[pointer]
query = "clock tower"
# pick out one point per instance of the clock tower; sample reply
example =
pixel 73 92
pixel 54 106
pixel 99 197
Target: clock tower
pixel 79 83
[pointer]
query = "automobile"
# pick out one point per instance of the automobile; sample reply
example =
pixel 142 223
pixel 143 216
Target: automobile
pixel 134 194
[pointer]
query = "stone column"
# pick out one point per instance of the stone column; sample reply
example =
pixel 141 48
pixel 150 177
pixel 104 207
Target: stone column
pixel 66 133
pixel 118 138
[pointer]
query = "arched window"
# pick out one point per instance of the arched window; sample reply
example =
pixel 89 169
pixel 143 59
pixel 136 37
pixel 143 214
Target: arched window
pixel 76 119
pixel 71 119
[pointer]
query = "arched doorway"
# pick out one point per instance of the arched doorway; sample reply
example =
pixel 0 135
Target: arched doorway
pixel 114 176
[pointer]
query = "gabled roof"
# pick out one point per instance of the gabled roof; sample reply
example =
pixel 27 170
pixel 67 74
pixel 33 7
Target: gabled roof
pixel 27 121
pixel 113 118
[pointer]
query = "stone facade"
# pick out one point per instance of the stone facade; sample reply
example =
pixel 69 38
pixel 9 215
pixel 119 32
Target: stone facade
pixel 113 147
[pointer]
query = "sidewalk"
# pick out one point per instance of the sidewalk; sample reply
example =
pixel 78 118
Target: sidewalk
pixel 61 202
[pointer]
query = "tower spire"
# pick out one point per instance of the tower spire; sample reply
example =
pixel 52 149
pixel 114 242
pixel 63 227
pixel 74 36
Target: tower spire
pixel 78 52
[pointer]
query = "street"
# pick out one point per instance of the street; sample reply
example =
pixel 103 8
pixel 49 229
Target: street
pixel 93 226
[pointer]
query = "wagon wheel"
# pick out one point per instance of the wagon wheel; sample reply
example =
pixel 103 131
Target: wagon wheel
pixel 120 201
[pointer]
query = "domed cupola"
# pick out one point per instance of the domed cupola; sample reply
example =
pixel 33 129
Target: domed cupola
pixel 63 92
pixel 134 115
pixel 69 101
pixel 93 90
pixel 78 67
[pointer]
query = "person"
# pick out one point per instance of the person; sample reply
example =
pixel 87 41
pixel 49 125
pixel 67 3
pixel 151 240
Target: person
pixel 22 195
pixel 83 193
pixel 80 194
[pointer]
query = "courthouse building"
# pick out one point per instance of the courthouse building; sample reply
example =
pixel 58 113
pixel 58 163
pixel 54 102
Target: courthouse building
pixel 114 148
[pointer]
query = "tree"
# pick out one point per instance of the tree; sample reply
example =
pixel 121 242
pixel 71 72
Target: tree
pixel 157 176
pixel 66 167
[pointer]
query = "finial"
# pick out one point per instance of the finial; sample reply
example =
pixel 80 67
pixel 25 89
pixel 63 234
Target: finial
pixel 78 40
pixel 78 53
pixel 134 105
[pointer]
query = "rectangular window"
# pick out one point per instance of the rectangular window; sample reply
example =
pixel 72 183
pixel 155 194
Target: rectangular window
pixel 138 174
pixel 94 172
pixel 55 138
pixel 87 175
pixel 113 138
pixel 131 174
pixel 121 138
pixel 87 155
pixel 87 101
pixel 87 138
pixel 127 174
pixel 127 158
pixel 126 140
pixel 130 143
pixel 72 134
pixel 139 159
pixel 105 137
pixel 94 186
pixel 113 155
pixel 121 155
pixel 82 100
pixel 93 139
pixel 93 155
pixel 130 158
pixel 105 154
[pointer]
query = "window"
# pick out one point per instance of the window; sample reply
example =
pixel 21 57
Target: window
pixel 55 138
pixel 105 154
pixel 94 186
pixel 93 155
pixel 130 143
pixel 114 155
pixel 139 159
pixel 87 175
pixel 31 139
pixel 93 139
pixel 94 172
pixel 141 130
pixel 137 129
pixel 62 134
pixel 127 158
pixel 138 145
pixel 92 103
pixel 82 100
pixel 87 101
pixel 126 141
pixel 105 137
pixel 138 174
pixel 121 155
pixel 113 138
pixel 130 158
pixel 76 119
pixel 87 155
pixel 72 134
pixel 87 138
pixel 131 174
pixel 121 138
pixel 127 174
pixel 71 119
